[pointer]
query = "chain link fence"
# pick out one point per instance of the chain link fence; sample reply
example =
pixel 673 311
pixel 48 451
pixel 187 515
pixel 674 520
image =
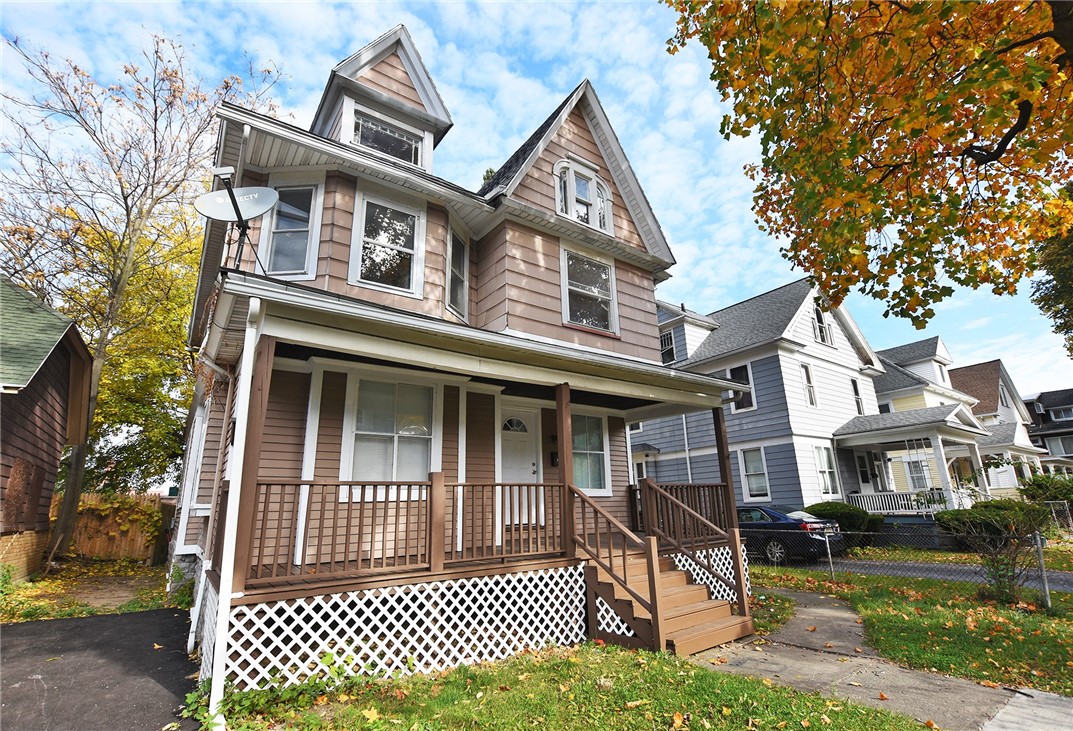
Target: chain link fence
pixel 1061 515
pixel 919 552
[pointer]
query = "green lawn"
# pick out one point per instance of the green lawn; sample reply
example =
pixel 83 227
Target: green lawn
pixel 943 626
pixel 1057 555
pixel 587 687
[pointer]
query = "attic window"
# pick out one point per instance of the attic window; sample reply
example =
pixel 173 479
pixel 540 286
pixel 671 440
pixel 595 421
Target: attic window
pixel 388 139
pixel 581 194
pixel 821 328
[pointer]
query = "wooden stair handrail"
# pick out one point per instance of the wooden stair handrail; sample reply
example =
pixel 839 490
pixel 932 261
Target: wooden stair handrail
pixel 629 539
pixel 652 527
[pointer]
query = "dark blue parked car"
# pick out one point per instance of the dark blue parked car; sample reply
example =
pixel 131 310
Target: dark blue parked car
pixel 778 535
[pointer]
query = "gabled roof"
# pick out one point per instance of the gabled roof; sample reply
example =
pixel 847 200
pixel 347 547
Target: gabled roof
pixel 667 313
pixel 928 349
pixel 954 415
pixel 1005 435
pixel 506 179
pixel 755 321
pixel 980 381
pixel 346 72
pixel 29 331
pixel 897 378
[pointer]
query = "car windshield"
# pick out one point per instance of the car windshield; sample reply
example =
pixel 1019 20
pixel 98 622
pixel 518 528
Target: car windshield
pixel 802 515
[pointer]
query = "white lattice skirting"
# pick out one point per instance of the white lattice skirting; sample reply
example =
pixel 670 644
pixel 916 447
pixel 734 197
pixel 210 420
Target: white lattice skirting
pixel 404 629
pixel 207 631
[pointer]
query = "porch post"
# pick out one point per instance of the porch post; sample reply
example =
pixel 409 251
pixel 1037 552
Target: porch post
pixel 978 467
pixel 565 431
pixel 260 380
pixel 944 472
pixel 722 445
pixel 437 504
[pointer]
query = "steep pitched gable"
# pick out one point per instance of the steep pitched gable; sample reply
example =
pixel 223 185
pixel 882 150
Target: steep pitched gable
pixel 29 331
pixel 389 73
pixel 579 129
pixel 983 382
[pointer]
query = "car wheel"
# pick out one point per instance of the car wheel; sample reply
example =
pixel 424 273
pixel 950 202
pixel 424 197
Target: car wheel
pixel 775 551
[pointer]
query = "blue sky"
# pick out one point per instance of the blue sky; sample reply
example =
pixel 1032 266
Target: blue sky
pixel 501 68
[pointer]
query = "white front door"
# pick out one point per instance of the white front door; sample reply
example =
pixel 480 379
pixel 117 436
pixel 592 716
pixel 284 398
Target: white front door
pixel 520 435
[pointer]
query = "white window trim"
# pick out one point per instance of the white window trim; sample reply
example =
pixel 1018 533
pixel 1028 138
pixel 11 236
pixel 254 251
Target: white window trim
pixel 350 111
pixel 564 284
pixel 606 491
pixel 295 180
pixel 822 324
pixel 674 349
pixel 745 497
pixel 925 474
pixel 639 424
pixel 858 398
pixel 734 409
pixel 836 487
pixel 452 232
pixel 1053 414
pixel 350 416
pixel 808 385
pixel 357 244
pixel 579 165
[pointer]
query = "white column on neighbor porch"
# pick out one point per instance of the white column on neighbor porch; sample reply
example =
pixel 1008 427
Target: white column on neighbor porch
pixel 235 463
pixel 943 470
pixel 978 468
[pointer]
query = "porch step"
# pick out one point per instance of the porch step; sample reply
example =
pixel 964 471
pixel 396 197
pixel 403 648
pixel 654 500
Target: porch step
pixel 701 637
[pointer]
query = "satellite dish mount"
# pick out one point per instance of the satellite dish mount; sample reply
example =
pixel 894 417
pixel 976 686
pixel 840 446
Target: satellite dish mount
pixel 239 206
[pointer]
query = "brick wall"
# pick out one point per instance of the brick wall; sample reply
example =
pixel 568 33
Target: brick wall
pixel 24 552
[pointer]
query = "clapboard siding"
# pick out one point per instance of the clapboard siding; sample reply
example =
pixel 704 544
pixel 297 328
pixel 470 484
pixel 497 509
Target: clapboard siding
pixel 330 426
pixel 480 438
pixel 574 137
pixel 389 77
pixel 490 275
pixel 450 433
pixel 534 297
pixel 33 430
pixel 283 437
pixel 770 418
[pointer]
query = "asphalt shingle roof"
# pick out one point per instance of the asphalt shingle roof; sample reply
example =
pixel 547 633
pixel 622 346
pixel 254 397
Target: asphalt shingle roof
pixel 981 381
pixel 1054 399
pixel 1001 434
pixel 514 163
pixel 896 378
pixel 912 352
pixel 896 420
pixel 29 331
pixel 755 321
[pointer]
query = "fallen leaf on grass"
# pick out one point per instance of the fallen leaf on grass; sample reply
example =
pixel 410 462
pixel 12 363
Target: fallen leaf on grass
pixel 727 711
pixel 805 723
pixel 677 719
pixel 826 721
pixel 635 704
pixel 883 696
pixel 988 683
pixel 860 621
pixel 371 715
pixel 930 724
pixel 321 700
pixel 718 661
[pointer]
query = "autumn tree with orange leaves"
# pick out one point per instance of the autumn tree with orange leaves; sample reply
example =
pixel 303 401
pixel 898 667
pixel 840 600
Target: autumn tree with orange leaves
pixel 906 146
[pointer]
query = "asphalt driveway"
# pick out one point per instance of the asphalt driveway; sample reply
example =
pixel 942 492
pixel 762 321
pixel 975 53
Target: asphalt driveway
pixel 106 673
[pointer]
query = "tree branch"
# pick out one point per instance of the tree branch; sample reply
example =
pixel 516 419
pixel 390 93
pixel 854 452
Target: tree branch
pixel 982 156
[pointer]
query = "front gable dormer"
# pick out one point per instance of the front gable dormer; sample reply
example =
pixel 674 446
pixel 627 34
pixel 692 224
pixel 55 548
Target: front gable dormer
pixel 382 100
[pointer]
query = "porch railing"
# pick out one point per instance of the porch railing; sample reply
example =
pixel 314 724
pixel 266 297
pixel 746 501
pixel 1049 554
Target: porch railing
pixel 325 530
pixel 910 503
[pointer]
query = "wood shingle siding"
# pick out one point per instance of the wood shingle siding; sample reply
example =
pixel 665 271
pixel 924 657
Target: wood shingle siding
pixel 574 137
pixel 33 423
pixel 389 77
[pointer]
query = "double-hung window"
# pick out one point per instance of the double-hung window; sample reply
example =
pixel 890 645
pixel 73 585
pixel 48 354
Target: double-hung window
pixel 754 474
pixel 741 375
pixel 458 279
pixel 857 399
pixel 581 194
pixel 588 292
pixel 810 387
pixel 389 245
pixel 1063 413
pixel 590 452
pixel 918 475
pixel 821 328
pixel 666 347
pixel 825 465
pixel 387 138
pixel 392 432
pixel 1059 446
pixel 293 231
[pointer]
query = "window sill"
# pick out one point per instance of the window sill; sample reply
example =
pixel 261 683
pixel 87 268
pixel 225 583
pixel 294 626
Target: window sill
pixel 412 294
pixel 592 330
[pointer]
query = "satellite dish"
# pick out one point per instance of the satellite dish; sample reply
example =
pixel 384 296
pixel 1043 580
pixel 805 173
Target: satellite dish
pixel 251 203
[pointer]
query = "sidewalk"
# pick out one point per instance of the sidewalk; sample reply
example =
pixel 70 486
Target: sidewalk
pixel 826 660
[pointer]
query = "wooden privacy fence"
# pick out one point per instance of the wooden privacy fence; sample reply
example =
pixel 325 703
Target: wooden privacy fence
pixel 124 526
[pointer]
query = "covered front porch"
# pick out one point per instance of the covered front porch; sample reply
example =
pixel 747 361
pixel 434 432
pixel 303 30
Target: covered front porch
pixel 916 462
pixel 441 506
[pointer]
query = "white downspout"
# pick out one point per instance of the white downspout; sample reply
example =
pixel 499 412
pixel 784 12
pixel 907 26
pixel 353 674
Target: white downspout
pixel 685 439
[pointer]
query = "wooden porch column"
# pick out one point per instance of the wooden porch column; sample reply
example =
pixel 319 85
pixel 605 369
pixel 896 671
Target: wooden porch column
pixel 260 380
pixel 565 430
pixel 944 471
pixel 437 505
pixel 722 445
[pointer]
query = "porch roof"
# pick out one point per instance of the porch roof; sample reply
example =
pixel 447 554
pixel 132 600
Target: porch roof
pixel 1005 435
pixel 953 421
pixel 318 319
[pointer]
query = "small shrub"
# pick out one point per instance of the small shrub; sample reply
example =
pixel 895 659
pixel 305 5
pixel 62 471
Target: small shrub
pixel 849 517
pixel 875 523
pixel 1040 488
pixel 998 531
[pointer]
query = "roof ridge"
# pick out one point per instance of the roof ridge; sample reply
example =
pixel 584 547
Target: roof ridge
pixel 757 296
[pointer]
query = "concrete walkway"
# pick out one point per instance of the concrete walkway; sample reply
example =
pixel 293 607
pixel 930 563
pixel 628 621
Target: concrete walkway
pixel 832 658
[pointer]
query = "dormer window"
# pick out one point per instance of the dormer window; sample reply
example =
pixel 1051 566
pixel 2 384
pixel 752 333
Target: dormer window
pixel 582 195
pixel 386 138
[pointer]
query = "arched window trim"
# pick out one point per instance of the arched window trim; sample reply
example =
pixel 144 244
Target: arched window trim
pixel 590 207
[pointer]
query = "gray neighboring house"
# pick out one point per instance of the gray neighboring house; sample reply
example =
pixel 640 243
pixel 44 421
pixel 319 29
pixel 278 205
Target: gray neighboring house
pixel 810 372
pixel 1052 429
pixel 826 417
